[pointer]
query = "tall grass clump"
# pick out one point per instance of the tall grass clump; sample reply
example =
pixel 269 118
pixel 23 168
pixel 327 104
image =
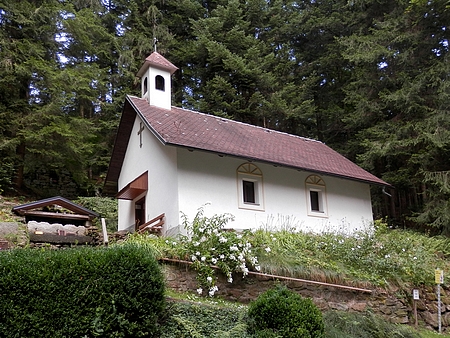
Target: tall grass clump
pixel 381 257
pixel 356 325
pixel 83 292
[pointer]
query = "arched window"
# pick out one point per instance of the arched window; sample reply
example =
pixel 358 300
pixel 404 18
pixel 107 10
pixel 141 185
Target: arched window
pixel 159 82
pixel 145 86
pixel 316 196
pixel 250 187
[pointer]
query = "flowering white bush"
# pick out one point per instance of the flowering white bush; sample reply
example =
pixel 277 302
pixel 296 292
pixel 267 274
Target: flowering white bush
pixel 207 245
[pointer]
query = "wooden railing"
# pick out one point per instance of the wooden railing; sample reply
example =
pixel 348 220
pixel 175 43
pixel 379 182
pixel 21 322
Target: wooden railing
pixel 155 225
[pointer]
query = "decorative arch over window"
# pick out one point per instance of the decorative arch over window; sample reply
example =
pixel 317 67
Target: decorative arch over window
pixel 159 83
pixel 250 187
pixel 316 196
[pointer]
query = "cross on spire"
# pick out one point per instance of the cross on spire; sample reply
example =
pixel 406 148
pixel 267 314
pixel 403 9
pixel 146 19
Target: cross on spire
pixel 141 129
pixel 155 41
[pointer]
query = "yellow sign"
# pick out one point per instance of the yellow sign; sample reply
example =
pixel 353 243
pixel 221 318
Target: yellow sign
pixel 439 276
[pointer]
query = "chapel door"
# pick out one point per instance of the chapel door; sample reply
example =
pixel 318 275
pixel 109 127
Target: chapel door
pixel 139 213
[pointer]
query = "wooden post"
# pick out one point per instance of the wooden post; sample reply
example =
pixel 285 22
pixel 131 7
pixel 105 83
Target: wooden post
pixel 105 233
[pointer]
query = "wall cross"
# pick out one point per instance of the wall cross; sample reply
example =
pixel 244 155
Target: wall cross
pixel 141 129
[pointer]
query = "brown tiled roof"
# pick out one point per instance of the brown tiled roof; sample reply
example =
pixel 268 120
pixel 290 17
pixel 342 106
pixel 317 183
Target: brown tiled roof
pixel 157 60
pixel 197 131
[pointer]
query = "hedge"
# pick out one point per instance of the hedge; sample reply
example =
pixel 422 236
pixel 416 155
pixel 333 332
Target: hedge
pixel 81 292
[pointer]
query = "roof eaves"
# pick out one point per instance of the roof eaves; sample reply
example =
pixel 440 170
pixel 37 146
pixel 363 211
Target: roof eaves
pixel 377 182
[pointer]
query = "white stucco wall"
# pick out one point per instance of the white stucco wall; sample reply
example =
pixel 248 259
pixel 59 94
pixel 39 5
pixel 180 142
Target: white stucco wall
pixel 183 181
pixel 208 178
pixel 156 97
pixel 161 163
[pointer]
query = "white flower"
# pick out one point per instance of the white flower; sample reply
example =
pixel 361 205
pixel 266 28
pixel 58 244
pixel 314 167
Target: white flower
pixel 232 257
pixel 234 248
pixel 230 279
pixel 267 249
pixel 193 258
pixel 403 250
pixel 209 279
pixel 213 249
pixel 414 257
pixel 199 291
pixel 203 258
pixel 174 243
pixel 197 253
pixel 239 236
pixel 196 243
pixel 274 239
pixel 213 260
pixel 167 241
pixel 222 239
pixel 201 229
pixel 240 257
pixel 222 256
pixel 213 290
pixel 257 268
pixel 387 256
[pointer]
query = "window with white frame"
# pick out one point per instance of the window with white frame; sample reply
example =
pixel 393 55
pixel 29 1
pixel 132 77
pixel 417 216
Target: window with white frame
pixel 316 196
pixel 250 187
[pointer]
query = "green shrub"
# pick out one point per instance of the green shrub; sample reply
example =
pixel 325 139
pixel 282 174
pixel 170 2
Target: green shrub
pixel 84 292
pixel 105 206
pixel 286 314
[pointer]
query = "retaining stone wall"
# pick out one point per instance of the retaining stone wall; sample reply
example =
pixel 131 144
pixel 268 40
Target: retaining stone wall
pixel 395 305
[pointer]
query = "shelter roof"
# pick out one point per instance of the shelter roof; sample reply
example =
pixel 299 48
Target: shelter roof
pixel 29 208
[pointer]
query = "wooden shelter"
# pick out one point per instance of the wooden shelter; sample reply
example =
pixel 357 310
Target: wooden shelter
pixel 56 210
pixel 57 220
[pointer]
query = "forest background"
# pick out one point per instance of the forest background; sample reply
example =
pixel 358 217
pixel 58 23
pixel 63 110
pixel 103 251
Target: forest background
pixel 370 78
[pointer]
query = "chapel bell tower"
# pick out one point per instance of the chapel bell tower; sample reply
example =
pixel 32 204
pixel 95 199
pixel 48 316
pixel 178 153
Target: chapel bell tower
pixel 156 83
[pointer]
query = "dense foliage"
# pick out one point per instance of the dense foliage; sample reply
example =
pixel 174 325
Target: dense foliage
pixel 368 77
pixel 227 320
pixel 106 207
pixel 380 257
pixel 85 292
pixel 206 245
pixel 285 313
